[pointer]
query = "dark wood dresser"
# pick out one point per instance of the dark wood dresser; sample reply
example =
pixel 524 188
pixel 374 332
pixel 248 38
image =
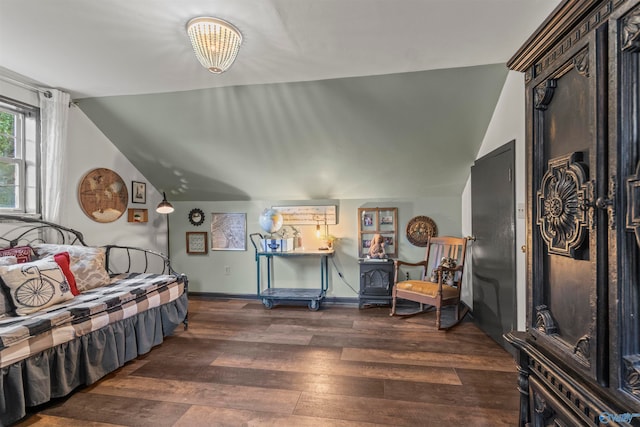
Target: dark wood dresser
pixel 579 358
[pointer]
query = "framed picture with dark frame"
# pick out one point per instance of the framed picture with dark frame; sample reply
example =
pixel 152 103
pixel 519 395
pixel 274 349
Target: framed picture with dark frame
pixel 197 242
pixel 138 192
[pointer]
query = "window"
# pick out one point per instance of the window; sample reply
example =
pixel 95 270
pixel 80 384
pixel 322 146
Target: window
pixel 19 157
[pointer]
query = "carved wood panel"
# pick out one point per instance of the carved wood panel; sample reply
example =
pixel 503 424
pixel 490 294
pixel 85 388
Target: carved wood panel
pixel 581 351
pixel 631 374
pixel 628 237
pixel 562 200
pixel 565 219
pixel 553 410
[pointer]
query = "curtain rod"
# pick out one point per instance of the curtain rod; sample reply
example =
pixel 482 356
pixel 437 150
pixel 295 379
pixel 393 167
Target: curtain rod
pixel 45 92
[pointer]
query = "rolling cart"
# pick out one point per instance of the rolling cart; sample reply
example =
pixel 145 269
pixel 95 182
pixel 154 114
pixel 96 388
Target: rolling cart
pixel 272 295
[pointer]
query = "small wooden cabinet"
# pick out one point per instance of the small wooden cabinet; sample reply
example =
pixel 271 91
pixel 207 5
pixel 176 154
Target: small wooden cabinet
pixel 579 359
pixel 376 282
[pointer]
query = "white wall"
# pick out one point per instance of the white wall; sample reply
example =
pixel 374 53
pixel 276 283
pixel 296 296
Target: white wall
pixel 207 272
pixel 87 148
pixel 507 123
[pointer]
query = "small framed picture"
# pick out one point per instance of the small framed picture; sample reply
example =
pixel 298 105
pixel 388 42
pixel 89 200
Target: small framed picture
pixel 389 243
pixel 387 220
pixel 366 243
pixel 138 215
pixel 197 242
pixel 138 192
pixel 368 220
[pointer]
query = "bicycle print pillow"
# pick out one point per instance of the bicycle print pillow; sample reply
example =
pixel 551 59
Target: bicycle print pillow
pixel 35 285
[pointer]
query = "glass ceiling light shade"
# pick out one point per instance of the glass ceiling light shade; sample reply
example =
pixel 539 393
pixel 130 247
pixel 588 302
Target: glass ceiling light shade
pixel 215 42
pixel 164 207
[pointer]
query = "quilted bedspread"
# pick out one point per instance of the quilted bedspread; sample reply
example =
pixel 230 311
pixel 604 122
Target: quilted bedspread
pixel 126 296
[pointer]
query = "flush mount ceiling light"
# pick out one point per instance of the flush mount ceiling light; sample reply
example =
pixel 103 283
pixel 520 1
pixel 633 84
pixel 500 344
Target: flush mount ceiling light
pixel 215 42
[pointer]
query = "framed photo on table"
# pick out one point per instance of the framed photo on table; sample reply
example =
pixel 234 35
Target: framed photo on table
pixel 138 192
pixel 197 242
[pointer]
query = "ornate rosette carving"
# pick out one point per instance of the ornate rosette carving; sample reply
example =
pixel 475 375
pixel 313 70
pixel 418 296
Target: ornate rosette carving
pixel 562 199
pixel 420 229
pixel 633 203
pixel 631 31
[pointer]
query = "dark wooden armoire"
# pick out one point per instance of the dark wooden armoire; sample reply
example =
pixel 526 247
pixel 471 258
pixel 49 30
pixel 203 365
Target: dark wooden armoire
pixel 579 359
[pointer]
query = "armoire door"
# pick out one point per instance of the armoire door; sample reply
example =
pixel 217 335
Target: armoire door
pixel 567 228
pixel 625 254
pixel 579 360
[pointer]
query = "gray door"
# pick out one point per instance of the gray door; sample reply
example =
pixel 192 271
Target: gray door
pixel 493 251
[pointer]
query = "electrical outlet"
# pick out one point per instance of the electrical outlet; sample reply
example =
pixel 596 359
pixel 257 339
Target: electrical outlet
pixel 520 213
pixel 227 270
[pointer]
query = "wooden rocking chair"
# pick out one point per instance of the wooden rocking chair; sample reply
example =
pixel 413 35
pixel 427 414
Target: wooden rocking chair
pixel 440 284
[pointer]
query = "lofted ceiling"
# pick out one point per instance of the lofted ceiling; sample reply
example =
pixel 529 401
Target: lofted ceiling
pixel 327 98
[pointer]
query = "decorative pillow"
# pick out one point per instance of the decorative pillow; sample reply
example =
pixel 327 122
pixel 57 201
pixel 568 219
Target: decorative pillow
pixel 22 253
pixel 8 260
pixel 87 263
pixel 63 261
pixel 5 299
pixel 35 285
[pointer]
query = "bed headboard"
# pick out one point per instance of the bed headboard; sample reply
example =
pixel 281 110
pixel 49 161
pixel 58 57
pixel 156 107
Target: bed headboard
pixel 16 230
pixel 20 230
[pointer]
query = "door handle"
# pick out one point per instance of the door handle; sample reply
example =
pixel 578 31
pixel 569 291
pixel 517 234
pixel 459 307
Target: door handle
pixel 602 203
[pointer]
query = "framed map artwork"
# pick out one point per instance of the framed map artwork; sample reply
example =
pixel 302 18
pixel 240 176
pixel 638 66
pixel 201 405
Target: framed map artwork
pixel 228 231
pixel 103 195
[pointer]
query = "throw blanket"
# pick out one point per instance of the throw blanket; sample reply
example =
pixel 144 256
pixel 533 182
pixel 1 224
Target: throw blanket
pixel 125 296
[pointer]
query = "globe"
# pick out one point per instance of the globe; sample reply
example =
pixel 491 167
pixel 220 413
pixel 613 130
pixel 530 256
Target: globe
pixel 271 220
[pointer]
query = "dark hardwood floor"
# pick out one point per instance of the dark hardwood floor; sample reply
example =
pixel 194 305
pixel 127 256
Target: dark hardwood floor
pixel 241 364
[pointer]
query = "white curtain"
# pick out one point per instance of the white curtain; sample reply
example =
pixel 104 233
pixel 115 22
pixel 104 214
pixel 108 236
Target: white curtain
pixel 54 115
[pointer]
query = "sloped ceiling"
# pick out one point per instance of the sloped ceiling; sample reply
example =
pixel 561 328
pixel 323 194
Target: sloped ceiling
pixel 327 99
pixel 399 135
